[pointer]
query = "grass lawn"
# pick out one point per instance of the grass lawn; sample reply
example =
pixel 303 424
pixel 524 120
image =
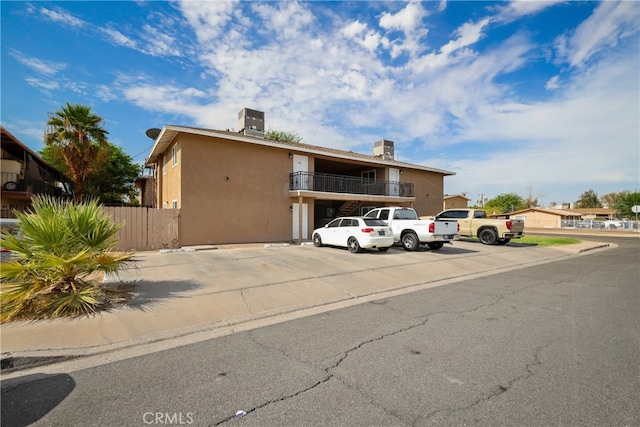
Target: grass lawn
pixel 545 241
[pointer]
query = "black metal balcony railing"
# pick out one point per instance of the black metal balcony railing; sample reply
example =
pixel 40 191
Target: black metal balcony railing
pixel 310 181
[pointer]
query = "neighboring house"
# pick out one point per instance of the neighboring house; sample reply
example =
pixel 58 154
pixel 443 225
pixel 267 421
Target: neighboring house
pixel 146 186
pixel 452 201
pixel 25 174
pixel 544 218
pixel 595 213
pixel 235 187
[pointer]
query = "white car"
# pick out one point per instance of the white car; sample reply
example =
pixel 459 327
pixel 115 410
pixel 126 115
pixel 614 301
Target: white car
pixel 613 224
pixel 355 233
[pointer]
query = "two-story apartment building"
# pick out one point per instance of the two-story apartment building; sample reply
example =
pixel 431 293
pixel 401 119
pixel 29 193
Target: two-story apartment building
pixel 24 174
pixel 238 187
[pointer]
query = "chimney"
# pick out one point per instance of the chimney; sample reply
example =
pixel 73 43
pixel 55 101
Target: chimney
pixel 251 122
pixel 384 149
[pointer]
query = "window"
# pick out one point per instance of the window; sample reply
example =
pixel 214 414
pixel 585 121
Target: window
pixel 369 175
pixel 384 214
pixel 174 156
pixel 174 204
pixel 164 165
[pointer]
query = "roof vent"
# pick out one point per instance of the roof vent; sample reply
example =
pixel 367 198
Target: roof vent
pixel 384 149
pixel 251 122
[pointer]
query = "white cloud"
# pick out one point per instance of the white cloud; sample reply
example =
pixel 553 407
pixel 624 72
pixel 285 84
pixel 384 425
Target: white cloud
pixel 62 17
pixel 519 8
pixel 159 43
pixel 286 19
pixel 207 18
pixel 610 22
pixel 406 20
pixel 45 85
pixel 38 65
pixel 118 38
pixel 553 83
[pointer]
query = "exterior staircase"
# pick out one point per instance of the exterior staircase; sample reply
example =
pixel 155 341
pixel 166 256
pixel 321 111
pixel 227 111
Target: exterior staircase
pixel 349 208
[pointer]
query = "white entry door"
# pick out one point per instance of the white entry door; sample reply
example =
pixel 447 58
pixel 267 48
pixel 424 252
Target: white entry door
pixel 394 178
pixel 305 230
pixel 301 181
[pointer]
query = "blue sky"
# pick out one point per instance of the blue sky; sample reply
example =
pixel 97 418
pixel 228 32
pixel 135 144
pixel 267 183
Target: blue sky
pixel 526 97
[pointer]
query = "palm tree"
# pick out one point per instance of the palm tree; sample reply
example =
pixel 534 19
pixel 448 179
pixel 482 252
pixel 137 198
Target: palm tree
pixel 81 139
pixel 59 253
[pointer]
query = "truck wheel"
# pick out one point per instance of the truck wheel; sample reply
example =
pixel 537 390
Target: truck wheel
pixel 488 236
pixel 317 240
pixel 353 245
pixel 434 246
pixel 410 241
pixel 503 241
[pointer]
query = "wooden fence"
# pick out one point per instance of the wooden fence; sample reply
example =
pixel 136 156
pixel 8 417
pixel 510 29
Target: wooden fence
pixel 146 229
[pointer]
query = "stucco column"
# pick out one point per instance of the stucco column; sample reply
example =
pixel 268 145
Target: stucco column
pixel 300 212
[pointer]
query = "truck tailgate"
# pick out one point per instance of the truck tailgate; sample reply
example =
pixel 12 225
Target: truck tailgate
pixel 444 227
pixel 517 225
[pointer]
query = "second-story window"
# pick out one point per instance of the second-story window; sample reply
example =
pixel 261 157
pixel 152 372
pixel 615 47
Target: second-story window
pixel 369 175
pixel 174 156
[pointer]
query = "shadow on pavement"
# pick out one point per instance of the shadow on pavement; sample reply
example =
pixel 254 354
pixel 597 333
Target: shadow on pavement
pixel 27 399
pixel 143 294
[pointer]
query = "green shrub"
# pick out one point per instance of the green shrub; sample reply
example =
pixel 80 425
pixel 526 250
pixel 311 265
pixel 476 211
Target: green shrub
pixel 59 255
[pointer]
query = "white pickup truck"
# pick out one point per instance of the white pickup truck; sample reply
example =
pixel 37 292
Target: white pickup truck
pixel 411 231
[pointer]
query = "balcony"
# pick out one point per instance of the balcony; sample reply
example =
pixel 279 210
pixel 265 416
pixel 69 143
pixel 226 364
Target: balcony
pixel 328 183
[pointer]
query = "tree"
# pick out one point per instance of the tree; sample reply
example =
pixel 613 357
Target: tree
pixel 281 135
pixel 504 203
pixel 625 201
pixel 610 199
pixel 81 140
pixel 111 180
pixel 57 250
pixel 531 201
pixel 588 199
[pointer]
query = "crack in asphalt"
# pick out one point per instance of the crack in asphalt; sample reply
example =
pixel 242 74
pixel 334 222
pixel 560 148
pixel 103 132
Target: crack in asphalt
pixel 498 390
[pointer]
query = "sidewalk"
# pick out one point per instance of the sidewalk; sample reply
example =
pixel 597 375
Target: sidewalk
pixel 200 294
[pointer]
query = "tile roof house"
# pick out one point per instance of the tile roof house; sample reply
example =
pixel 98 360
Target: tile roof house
pixel 239 187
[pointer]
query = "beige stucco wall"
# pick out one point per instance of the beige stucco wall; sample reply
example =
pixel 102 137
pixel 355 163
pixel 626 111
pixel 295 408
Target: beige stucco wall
pixel 428 190
pixel 455 202
pixel 539 219
pixel 233 192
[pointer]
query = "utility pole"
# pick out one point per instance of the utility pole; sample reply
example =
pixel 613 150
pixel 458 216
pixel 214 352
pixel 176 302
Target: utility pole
pixel 481 200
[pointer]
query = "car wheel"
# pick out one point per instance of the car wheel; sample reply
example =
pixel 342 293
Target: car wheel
pixel 10 186
pixel 353 245
pixel 317 240
pixel 488 236
pixel 410 241
pixel 434 246
pixel 503 241
pixel 384 249
pixel 611 226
